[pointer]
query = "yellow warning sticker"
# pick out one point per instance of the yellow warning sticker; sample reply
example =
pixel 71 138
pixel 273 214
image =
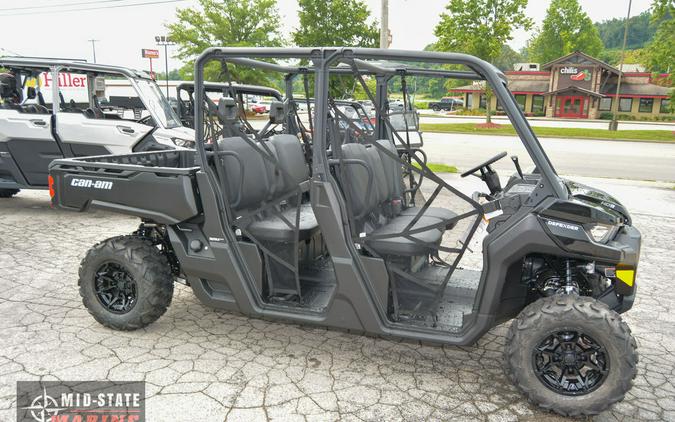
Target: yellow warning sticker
pixel 627 276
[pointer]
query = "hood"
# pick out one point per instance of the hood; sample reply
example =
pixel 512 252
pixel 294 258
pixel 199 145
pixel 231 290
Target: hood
pixel 185 135
pixel 597 197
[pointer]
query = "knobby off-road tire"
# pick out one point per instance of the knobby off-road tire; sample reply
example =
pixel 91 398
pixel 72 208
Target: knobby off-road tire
pixel 8 193
pixel 559 313
pixel 144 265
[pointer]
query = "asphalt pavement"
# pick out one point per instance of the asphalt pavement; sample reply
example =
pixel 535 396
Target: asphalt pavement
pixel 429 116
pixel 579 157
pixel 207 365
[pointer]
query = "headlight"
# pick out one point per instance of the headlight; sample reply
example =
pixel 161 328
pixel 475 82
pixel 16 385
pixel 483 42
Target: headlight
pixel 185 143
pixel 601 233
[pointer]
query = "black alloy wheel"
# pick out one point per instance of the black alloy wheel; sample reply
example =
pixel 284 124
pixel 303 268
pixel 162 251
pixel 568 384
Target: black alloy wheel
pixel 115 288
pixel 570 363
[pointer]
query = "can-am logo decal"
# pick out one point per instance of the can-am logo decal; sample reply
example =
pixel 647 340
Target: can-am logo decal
pixel 81 401
pixel 94 184
pixel 562 225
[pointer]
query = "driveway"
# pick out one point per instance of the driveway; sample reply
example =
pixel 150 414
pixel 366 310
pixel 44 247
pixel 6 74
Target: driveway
pixel 207 365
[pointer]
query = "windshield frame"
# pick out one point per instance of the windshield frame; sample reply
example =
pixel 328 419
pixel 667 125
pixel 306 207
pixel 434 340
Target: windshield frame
pixel 164 115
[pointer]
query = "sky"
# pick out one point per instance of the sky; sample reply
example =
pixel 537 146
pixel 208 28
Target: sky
pixel 31 28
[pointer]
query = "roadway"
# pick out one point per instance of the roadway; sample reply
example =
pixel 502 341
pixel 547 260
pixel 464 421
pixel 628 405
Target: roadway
pixel 429 116
pixel 578 157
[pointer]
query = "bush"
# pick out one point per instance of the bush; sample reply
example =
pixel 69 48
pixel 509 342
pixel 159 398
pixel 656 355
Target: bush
pixel 422 105
pixel 645 118
pixel 461 111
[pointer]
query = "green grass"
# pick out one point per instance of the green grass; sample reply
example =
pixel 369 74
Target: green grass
pixel 439 168
pixel 555 132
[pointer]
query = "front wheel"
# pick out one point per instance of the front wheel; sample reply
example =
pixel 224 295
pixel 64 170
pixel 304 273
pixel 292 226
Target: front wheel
pixel 571 354
pixel 8 193
pixel 125 283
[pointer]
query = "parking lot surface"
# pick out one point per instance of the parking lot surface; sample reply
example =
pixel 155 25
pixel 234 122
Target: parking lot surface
pixel 207 365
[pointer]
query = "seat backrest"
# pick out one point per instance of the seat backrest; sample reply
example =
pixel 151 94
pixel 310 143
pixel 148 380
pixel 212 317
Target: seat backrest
pixel 392 168
pixel 291 161
pixel 247 175
pixel 365 187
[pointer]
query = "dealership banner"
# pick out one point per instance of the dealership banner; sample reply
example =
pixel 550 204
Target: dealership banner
pixel 80 401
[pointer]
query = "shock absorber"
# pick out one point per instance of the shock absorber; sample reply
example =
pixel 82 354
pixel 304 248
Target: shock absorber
pixel 570 286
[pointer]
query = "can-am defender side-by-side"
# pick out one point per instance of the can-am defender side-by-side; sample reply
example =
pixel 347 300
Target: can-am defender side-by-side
pixel 320 226
pixel 56 108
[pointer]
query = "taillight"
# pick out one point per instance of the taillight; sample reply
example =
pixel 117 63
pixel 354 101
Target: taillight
pixel 50 179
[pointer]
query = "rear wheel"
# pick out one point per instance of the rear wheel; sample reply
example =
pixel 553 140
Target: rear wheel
pixel 436 109
pixel 125 283
pixel 8 193
pixel 571 354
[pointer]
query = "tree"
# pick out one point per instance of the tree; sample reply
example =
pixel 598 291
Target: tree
pixel 231 23
pixel 660 53
pixel 507 58
pixel 480 28
pixel 566 28
pixel 336 23
pixel 640 32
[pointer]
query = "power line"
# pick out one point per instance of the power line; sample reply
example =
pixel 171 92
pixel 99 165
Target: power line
pixel 59 5
pixel 147 3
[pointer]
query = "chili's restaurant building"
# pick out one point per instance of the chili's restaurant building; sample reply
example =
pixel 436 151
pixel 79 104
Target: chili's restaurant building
pixel 578 86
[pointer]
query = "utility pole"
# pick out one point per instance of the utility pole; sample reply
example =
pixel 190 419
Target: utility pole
pixel 166 42
pixel 384 25
pixel 614 124
pixel 93 48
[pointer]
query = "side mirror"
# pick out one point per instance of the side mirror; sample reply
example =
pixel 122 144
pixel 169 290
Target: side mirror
pixel 31 93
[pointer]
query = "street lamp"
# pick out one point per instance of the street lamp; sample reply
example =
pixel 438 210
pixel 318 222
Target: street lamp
pixel 166 42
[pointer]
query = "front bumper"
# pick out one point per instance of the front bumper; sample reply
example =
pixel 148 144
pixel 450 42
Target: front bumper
pixel 621 297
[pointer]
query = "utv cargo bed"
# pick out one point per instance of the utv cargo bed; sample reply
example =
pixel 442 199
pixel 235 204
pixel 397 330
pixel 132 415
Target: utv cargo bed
pixel 158 185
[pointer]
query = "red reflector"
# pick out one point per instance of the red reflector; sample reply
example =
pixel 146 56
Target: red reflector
pixel 50 179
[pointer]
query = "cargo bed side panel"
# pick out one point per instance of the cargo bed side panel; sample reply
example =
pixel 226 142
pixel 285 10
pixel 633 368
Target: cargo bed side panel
pixel 162 198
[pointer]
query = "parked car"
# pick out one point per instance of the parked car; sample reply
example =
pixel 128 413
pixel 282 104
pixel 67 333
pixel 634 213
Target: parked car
pixel 446 103
pixel 55 108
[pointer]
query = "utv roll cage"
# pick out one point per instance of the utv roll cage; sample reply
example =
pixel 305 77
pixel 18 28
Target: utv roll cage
pixel 329 162
pixel 186 105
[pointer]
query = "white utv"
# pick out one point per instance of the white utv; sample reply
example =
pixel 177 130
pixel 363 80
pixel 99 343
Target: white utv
pixel 52 108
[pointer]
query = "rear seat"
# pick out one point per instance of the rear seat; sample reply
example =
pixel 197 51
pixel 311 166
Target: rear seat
pixel 392 168
pixel 253 181
pixel 366 205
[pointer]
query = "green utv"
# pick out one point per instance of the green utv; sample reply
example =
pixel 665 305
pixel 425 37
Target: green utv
pixel 320 218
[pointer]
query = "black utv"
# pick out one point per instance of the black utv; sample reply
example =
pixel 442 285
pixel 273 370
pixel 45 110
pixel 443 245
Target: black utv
pixel 351 229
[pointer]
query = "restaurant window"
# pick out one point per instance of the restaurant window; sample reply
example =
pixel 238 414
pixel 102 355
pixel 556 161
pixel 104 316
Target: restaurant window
pixel 483 102
pixel 537 104
pixel 665 106
pixel 625 104
pixel 605 104
pixel 469 101
pixel 520 99
pixel 646 105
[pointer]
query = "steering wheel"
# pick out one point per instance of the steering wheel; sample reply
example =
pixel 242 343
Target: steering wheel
pixel 488 175
pixel 485 165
